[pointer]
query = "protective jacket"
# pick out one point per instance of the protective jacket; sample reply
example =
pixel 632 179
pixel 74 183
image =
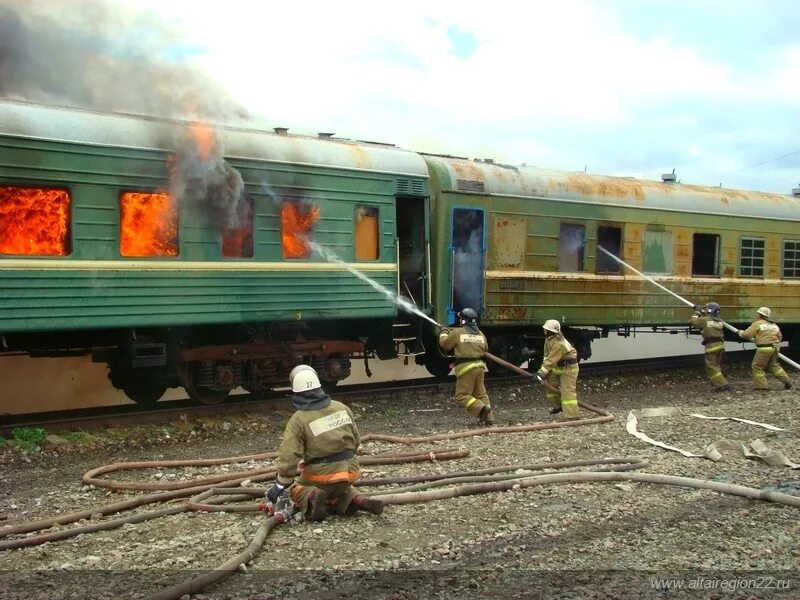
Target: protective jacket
pixel 762 332
pixel 468 345
pixel 557 352
pixel 710 328
pixel 323 434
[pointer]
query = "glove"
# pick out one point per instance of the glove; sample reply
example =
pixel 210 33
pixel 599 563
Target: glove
pixel 275 492
pixel 444 331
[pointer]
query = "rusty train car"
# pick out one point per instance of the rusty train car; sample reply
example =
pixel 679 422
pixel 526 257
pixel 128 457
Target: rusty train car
pixel 214 257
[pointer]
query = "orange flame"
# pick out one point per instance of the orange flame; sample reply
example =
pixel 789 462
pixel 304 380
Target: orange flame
pixel 296 222
pixel 203 136
pixel 238 243
pixel 34 221
pixel 149 224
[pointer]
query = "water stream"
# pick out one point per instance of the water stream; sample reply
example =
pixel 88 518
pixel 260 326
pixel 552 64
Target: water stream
pixel 331 256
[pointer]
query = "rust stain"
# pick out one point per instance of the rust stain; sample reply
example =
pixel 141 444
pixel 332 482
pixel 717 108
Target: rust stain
pixel 468 171
pixel 609 187
pixel 511 313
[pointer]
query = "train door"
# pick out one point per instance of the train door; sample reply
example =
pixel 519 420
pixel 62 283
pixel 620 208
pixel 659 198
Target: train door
pixel 467 260
pixel 413 251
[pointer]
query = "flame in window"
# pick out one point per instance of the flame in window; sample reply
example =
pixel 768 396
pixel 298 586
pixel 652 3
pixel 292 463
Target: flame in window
pixel 238 243
pixel 203 136
pixel 34 221
pixel 149 224
pixel 297 219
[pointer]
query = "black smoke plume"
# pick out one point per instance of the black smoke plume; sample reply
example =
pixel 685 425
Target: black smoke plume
pixel 101 55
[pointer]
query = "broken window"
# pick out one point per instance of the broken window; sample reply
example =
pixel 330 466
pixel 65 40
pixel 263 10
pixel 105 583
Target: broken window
pixel 467 256
pixel 148 224
pixel 367 233
pixel 791 259
pixel 705 254
pixel 610 239
pixel 751 257
pixel 570 247
pixel 657 252
pixel 34 221
pixel 297 219
pixel 238 242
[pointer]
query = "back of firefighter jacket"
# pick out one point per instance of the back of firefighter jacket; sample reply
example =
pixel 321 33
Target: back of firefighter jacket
pixel 319 434
pixel 465 343
pixel 762 332
pixel 711 329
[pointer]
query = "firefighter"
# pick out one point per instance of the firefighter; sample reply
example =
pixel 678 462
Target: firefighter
pixel 560 368
pixel 317 461
pixel 469 345
pixel 706 319
pixel 767 337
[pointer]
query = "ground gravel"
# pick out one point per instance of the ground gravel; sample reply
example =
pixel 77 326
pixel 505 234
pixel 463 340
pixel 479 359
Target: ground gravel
pixel 597 540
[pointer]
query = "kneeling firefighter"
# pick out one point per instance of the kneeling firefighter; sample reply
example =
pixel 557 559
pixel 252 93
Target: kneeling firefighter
pixel 560 367
pixel 317 461
pixel 469 345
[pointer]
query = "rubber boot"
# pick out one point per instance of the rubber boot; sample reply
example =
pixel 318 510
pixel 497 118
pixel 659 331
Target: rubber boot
pixel 367 504
pixel 317 508
pixel 486 415
pixel 556 410
pixel 787 385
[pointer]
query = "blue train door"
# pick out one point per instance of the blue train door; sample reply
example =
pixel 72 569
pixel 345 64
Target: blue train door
pixel 467 260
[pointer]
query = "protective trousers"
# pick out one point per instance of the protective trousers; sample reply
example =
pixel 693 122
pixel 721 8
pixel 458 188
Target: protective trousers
pixel 470 391
pixel 339 496
pixel 715 352
pixel 765 361
pixel 566 379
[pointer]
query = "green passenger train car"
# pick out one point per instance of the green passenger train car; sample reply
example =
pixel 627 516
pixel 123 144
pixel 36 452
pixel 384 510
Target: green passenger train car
pixel 520 245
pixel 97 257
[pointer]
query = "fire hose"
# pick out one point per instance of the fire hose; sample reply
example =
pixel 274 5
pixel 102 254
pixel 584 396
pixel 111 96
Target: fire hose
pixel 727 326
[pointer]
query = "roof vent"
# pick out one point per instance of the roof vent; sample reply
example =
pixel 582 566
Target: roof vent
pixel 325 135
pixel 281 130
pixel 796 192
pixel 669 177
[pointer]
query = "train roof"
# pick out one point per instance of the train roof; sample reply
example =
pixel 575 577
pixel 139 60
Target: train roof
pixel 492 178
pixel 30 120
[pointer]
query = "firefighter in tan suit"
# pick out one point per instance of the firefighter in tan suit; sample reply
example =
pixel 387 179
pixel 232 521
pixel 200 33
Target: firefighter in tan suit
pixel 469 345
pixel 707 320
pixel 317 458
pixel 767 337
pixel 560 368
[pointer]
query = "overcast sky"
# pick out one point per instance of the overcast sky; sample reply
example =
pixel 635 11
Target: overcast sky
pixel 635 88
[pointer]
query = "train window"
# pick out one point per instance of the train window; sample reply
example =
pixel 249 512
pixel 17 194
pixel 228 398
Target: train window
pixel 751 257
pixel 791 259
pixel 610 239
pixel 148 224
pixel 657 252
pixel 570 247
pixel 34 221
pixel 366 233
pixel 705 254
pixel 238 242
pixel 297 219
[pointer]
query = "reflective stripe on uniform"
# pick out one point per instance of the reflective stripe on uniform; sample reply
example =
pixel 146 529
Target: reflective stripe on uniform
pixel 472 400
pixel 468 367
pixel 715 347
pixel 337 477
pixel 569 402
pixel 716 375
pixel 770 350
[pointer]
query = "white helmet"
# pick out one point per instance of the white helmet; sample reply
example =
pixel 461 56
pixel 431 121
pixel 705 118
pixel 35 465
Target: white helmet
pixel 305 380
pixel 552 325
pixel 299 368
pixel 764 312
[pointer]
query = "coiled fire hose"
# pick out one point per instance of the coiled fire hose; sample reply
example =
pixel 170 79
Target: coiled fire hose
pixel 204 496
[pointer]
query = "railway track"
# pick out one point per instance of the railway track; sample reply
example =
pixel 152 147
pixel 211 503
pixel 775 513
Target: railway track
pixel 88 419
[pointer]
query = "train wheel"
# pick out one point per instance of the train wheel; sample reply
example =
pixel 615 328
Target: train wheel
pixel 206 395
pixel 146 393
pixel 437 365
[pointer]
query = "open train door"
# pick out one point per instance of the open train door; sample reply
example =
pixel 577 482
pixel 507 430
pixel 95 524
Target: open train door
pixel 467 260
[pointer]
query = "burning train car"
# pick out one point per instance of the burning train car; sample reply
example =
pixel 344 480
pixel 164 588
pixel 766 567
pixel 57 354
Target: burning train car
pixel 215 257
pixel 137 241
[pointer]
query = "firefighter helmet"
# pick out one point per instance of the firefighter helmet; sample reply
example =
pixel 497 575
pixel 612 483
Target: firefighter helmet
pixel 552 326
pixel 468 315
pixel 305 380
pixel 713 308
pixel 299 368
pixel 764 312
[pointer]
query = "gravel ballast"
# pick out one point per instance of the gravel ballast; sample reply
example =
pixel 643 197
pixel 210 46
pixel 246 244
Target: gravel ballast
pixel 594 540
